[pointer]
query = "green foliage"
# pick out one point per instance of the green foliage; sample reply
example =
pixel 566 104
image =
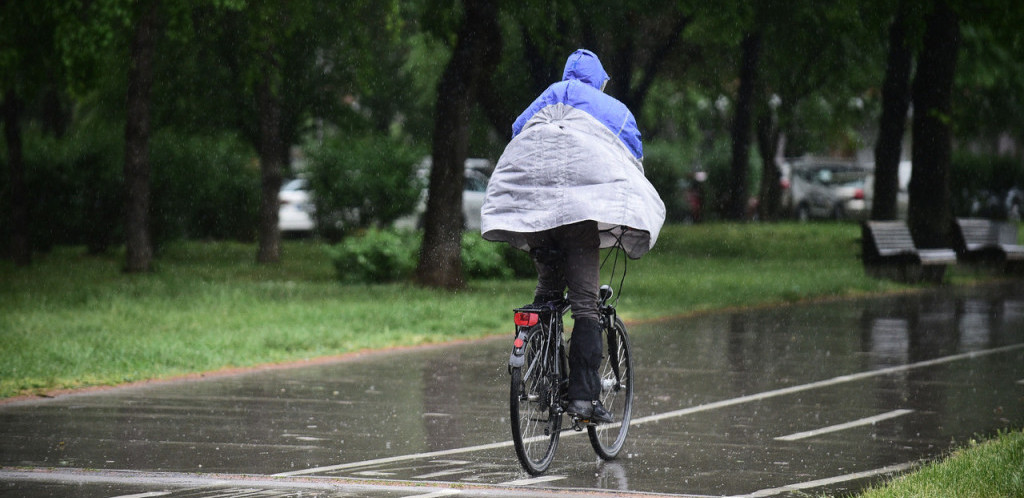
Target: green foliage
pixel 483 259
pixel 671 171
pixel 379 256
pixel 362 182
pixel 203 187
pixel 75 188
pixel 375 256
pixel 975 174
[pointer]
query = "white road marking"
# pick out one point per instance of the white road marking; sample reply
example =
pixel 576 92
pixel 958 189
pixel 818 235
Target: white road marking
pixel 437 494
pixel 535 480
pixel 151 494
pixel 823 383
pixel 1021 381
pixel 398 458
pixel 750 398
pixel 442 473
pixel 847 425
pixel 830 480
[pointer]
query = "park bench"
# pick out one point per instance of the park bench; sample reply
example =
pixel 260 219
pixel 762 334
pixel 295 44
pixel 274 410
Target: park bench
pixel 888 251
pixel 985 242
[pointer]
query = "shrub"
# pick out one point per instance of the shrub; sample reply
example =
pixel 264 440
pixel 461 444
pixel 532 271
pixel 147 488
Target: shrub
pixel 203 187
pixel 375 256
pixel 361 182
pixel 981 178
pixel 379 256
pixel 482 259
pixel 75 187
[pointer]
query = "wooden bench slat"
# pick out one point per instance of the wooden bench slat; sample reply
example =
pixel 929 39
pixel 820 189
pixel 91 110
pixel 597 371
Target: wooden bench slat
pixel 986 240
pixel 889 251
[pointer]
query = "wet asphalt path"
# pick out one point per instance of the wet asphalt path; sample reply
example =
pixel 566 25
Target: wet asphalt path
pixel 815 398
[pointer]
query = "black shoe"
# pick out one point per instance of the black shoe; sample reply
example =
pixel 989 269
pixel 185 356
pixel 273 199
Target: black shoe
pixel 592 411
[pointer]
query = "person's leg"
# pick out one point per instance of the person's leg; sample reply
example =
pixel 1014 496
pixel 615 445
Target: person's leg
pixel 581 245
pixel 549 262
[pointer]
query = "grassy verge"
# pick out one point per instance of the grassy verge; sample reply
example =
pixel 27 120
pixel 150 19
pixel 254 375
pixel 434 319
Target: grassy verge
pixel 994 468
pixel 73 320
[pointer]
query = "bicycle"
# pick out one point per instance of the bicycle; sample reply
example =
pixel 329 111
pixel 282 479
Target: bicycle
pixel 539 369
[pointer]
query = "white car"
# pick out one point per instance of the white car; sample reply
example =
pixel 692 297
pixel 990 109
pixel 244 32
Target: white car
pixel 473 190
pixel 295 208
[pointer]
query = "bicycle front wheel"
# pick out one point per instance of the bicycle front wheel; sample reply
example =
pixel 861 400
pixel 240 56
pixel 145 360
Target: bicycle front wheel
pixel 535 416
pixel 616 392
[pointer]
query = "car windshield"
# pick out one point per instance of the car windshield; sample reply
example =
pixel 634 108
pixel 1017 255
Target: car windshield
pixel 836 177
pixel 296 184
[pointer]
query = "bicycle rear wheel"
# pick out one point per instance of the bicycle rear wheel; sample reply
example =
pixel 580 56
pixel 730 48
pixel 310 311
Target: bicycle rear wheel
pixel 616 393
pixel 534 410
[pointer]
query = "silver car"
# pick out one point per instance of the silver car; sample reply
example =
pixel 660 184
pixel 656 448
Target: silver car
pixel 828 189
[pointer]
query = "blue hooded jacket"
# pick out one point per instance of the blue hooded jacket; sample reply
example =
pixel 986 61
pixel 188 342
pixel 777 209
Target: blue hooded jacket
pixel 581 85
pixel 575 155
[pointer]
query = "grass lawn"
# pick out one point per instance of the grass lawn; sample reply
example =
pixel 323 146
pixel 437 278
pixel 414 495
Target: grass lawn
pixel 991 469
pixel 73 320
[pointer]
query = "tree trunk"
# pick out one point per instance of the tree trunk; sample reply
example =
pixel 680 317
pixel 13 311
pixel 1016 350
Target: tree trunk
pixel 474 59
pixel 770 201
pixel 271 154
pixel 737 197
pixel 930 213
pixel 138 245
pixel 21 246
pixel 892 124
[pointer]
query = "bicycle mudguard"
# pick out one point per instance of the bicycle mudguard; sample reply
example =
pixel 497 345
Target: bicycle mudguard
pixel 516 359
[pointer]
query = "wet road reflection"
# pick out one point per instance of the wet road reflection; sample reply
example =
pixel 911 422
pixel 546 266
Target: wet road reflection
pixel 834 394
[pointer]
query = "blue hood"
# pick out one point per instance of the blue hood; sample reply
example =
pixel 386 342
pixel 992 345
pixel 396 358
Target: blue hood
pixel 580 89
pixel 584 65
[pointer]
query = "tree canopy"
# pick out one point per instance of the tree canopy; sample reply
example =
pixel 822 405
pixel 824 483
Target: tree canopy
pixel 720 88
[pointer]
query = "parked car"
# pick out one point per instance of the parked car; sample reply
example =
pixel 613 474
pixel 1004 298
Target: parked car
pixel 474 188
pixel 295 207
pixel 826 189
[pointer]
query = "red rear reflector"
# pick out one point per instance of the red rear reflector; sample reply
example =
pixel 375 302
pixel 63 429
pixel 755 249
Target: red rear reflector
pixel 519 343
pixel 524 319
pixel 858 194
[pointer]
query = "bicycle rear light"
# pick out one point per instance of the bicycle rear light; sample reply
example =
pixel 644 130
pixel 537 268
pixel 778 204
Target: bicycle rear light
pixel 524 319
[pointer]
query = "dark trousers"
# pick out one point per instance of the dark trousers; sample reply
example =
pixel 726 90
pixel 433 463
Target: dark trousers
pixel 569 256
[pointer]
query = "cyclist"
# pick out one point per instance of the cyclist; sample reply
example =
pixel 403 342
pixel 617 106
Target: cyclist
pixel 571 182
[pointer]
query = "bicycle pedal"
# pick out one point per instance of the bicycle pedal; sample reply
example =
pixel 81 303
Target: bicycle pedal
pixel 576 424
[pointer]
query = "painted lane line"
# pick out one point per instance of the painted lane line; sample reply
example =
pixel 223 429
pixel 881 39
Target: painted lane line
pixel 234 484
pixel 750 398
pixel 1021 382
pixel 398 458
pixel 535 480
pixel 437 494
pixel 443 473
pixel 823 383
pixel 847 425
pixel 892 469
